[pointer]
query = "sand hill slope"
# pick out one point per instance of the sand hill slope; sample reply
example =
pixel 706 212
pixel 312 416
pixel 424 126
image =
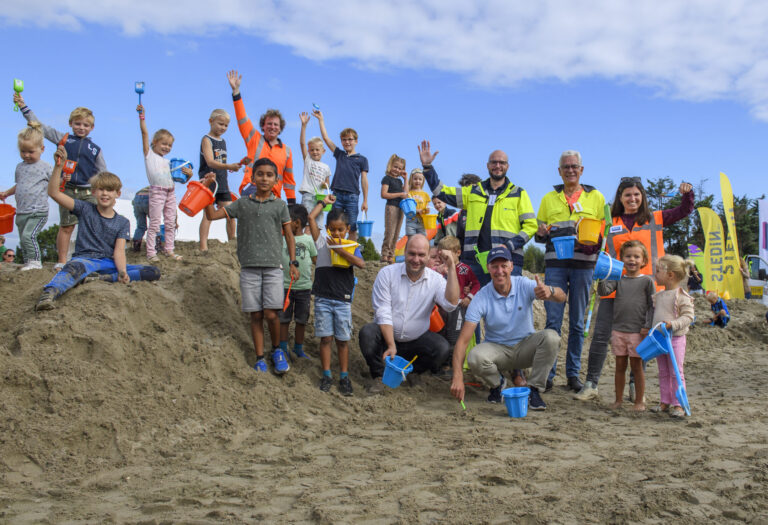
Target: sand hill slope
pixel 137 404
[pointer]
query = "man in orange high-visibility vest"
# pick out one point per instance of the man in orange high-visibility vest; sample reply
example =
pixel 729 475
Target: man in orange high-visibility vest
pixel 263 145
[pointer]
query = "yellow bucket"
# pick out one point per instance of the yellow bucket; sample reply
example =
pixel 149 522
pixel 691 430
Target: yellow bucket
pixel 348 246
pixel 430 221
pixel 589 231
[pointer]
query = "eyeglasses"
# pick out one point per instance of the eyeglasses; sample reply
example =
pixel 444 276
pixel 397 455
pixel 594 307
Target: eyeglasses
pixel 499 162
pixel 570 166
pixel 631 179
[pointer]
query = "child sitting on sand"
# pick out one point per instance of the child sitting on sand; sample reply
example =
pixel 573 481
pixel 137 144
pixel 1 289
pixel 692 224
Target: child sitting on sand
pixel 632 310
pixel 719 309
pixel 100 245
pixel 673 307
pixel 333 289
pixel 31 190
pixel 261 219
pixel 300 295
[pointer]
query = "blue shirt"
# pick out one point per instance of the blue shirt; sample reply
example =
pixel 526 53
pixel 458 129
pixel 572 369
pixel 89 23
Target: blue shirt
pixel 508 320
pixel 348 170
pixel 720 305
pixel 96 235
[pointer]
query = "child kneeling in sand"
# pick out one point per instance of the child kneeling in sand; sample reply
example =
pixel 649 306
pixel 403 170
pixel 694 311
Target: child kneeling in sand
pixel 262 218
pixel 719 309
pixel 100 245
pixel 333 289
pixel 673 307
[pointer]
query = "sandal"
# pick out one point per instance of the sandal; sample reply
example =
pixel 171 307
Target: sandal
pixel 174 256
pixel 676 412
pixel 154 258
pixel 660 408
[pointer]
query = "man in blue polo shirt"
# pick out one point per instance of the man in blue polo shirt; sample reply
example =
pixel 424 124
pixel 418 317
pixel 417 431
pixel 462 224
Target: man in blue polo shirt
pixel 510 340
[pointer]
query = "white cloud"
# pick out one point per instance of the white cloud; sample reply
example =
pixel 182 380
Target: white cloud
pixel 694 50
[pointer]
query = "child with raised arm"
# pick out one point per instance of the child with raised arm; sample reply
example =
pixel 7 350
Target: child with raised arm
pixel 350 176
pixel 88 159
pixel 31 190
pixel 333 289
pixel 101 238
pixel 415 224
pixel 393 191
pixel 262 218
pixel 317 174
pixel 632 311
pixel 673 307
pixel 299 291
pixel 213 159
pixel 162 197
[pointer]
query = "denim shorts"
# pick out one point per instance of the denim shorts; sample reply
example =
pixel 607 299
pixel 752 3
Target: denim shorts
pixel 333 318
pixel 415 226
pixel 261 289
pixel 348 202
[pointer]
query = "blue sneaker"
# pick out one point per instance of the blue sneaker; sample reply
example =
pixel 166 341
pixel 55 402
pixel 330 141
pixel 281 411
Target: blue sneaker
pixel 261 365
pixel 281 363
pixel 300 354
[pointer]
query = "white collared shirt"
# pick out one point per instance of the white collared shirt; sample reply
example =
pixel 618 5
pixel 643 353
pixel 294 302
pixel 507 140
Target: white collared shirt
pixel 405 304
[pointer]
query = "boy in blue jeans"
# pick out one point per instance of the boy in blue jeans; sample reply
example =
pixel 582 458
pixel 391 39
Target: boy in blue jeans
pixel 333 289
pixel 100 245
pixel 262 219
pixel 351 174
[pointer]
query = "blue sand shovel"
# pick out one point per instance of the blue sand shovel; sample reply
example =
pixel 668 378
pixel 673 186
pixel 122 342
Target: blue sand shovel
pixel 657 343
pixel 139 88
pixel 680 393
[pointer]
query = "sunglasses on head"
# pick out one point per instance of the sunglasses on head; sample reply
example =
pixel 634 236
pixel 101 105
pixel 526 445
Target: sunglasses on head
pixel 631 179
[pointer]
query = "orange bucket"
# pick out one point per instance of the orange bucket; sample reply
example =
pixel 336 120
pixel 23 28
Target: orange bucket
pixel 589 231
pixel 196 198
pixel 436 322
pixel 7 212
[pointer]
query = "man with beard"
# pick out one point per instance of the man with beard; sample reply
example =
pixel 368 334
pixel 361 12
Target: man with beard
pixel 499 213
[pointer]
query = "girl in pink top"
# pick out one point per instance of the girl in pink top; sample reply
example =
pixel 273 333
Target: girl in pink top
pixel 673 307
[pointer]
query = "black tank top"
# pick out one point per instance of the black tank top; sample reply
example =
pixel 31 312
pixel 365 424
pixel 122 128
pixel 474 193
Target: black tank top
pixel 219 155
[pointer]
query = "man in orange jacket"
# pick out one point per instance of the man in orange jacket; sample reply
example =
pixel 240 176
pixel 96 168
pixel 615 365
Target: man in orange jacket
pixel 263 145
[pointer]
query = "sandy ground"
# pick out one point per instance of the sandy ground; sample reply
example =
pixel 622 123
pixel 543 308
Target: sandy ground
pixel 137 404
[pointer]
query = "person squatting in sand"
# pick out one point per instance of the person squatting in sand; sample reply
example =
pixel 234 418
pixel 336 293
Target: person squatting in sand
pixel 100 245
pixel 262 218
pixel 31 190
pixel 333 289
pixel 298 292
pixel 673 307
pixel 721 316
pixel 632 315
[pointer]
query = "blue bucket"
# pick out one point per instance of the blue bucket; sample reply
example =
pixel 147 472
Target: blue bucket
pixel 176 174
pixel 516 399
pixel 365 229
pixel 409 207
pixel 656 344
pixel 564 246
pixel 394 374
pixel 607 268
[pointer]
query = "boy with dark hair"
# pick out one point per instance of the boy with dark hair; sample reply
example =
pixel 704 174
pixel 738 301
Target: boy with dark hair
pixel 262 218
pixel 298 292
pixel 100 245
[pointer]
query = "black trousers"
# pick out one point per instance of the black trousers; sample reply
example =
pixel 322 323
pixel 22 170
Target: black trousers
pixel 432 349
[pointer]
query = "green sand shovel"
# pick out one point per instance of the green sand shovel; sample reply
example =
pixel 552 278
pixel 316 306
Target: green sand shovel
pixel 18 87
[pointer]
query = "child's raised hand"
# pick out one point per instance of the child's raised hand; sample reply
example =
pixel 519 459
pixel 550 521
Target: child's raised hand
pixel 60 155
pixel 318 114
pixel 18 100
pixel 304 116
pixel 234 80
pixel 425 153
pixel 140 110
pixel 685 188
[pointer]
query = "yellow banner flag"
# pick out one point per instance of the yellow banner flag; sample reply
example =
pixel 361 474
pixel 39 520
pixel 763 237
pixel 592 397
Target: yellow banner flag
pixel 714 250
pixel 732 268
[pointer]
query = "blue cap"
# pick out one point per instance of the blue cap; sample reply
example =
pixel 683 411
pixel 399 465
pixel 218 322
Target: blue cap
pixel 500 252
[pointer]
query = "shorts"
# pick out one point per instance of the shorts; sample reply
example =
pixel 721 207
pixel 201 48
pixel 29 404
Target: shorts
pixel 298 308
pixel 308 201
pixel 415 226
pixel 623 343
pixel 333 318
pixel 66 217
pixel 222 187
pixel 348 202
pixel 261 289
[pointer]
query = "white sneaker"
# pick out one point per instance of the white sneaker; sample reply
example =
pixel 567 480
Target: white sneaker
pixel 58 266
pixel 587 392
pixel 32 265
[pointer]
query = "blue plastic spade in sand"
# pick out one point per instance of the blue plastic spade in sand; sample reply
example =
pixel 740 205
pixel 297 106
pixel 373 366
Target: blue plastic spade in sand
pixel 658 343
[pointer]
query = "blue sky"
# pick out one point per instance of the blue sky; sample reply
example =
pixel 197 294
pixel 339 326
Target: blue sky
pixel 679 90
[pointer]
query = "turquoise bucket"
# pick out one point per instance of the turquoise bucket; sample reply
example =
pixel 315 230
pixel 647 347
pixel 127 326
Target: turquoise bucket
pixel 365 229
pixel 564 246
pixel 516 399
pixel 607 268
pixel 409 207
pixel 176 174
pixel 394 373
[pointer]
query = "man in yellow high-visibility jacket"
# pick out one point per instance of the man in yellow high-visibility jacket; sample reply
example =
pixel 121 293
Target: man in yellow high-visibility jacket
pixel 499 213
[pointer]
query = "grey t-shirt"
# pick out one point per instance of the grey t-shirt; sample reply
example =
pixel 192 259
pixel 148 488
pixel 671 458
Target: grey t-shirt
pixel 633 306
pixel 32 187
pixel 259 230
pixel 96 234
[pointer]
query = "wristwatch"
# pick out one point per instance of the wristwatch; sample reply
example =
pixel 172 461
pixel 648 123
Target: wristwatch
pixel 295 263
pixel 551 290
